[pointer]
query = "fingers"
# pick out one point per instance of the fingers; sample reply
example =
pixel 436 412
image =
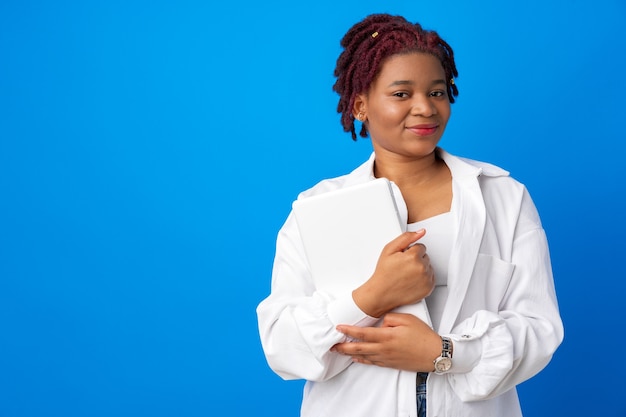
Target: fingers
pixel 406 320
pixel 356 349
pixel 403 342
pixel 419 250
pixel 361 339
pixel 397 319
pixel 363 334
pixel 403 241
pixel 358 353
pixel 377 334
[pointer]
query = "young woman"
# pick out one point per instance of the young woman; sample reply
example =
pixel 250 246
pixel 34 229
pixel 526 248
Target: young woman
pixel 475 250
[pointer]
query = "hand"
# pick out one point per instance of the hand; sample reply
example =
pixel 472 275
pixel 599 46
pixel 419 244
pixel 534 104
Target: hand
pixel 403 276
pixel 402 342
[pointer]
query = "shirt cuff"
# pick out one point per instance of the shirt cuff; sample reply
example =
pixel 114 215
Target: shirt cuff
pixel 466 352
pixel 344 310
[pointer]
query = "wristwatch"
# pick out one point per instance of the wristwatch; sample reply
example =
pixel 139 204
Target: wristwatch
pixel 444 362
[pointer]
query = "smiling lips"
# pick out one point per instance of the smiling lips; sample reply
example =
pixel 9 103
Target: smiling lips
pixel 424 129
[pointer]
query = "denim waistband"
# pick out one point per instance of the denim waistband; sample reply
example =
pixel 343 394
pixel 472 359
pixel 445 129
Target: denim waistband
pixel 421 378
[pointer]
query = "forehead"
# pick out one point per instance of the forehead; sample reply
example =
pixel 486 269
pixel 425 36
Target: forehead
pixel 413 66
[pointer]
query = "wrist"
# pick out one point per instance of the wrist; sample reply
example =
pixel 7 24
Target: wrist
pixel 369 301
pixel 443 362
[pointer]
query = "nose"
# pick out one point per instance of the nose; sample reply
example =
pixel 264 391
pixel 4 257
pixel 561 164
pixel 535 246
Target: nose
pixel 422 106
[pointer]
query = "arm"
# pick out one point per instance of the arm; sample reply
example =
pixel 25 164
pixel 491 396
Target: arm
pixel 507 341
pixel 298 323
pixel 506 348
pixel 496 349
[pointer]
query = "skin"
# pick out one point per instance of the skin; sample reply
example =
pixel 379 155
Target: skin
pixel 405 109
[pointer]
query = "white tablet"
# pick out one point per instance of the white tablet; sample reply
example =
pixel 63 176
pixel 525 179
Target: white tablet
pixel 344 232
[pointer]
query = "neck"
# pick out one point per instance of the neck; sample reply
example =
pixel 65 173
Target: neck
pixel 407 172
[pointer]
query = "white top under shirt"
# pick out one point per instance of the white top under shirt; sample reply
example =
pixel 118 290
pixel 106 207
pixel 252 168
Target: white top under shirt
pixel 438 240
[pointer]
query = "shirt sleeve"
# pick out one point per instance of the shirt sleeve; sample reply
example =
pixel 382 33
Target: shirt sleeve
pixel 296 322
pixel 496 350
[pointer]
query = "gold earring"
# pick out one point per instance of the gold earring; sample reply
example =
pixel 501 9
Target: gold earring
pixel 360 117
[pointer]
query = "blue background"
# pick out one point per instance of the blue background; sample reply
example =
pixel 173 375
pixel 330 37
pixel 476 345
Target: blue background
pixel 150 150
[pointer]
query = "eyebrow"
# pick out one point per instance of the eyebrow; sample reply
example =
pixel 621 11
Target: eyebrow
pixel 408 82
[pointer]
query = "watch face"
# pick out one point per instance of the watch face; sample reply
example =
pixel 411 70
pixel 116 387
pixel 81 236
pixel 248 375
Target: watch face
pixel 443 364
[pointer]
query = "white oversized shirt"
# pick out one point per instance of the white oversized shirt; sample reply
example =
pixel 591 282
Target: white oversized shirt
pixel 501 311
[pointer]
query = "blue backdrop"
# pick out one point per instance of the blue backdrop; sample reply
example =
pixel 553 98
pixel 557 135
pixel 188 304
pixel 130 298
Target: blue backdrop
pixel 150 150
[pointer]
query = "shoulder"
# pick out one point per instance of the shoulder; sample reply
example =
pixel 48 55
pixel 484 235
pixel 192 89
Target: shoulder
pixel 496 184
pixel 461 166
pixel 324 186
pixel 486 172
pixel 361 174
pixel 505 198
pixel 486 168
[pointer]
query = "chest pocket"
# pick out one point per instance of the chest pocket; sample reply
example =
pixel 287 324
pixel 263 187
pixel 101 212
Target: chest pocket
pixel 489 282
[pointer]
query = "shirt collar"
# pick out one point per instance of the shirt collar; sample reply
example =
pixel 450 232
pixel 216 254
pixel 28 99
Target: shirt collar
pixel 459 167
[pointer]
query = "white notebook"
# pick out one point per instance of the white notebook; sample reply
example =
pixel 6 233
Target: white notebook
pixel 344 232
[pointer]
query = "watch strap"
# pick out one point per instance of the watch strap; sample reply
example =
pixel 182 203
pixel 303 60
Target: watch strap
pixel 446 347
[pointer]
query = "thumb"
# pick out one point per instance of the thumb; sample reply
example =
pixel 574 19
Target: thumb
pixel 403 241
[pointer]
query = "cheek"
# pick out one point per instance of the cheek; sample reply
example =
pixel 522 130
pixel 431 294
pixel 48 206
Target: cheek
pixel 445 111
pixel 388 117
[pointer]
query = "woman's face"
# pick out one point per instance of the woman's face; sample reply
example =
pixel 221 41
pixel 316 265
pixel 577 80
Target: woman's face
pixel 407 106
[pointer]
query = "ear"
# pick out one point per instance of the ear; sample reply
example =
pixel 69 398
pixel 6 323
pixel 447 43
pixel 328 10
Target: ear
pixel 360 106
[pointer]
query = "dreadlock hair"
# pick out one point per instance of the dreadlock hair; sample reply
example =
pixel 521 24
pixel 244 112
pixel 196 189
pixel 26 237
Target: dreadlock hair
pixel 368 43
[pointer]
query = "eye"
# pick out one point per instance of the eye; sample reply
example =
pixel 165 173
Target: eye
pixel 401 94
pixel 438 93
